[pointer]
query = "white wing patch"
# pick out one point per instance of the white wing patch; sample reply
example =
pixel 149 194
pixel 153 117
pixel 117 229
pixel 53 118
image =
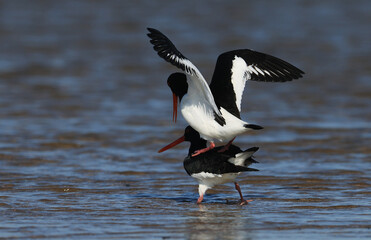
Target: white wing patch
pixel 199 81
pixel 189 67
pixel 240 158
pixel 241 72
pixel 239 76
pixel 255 69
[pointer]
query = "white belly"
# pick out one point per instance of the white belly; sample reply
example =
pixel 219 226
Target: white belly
pixel 200 116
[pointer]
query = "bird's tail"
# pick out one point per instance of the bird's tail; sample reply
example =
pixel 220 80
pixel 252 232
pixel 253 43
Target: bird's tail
pixel 253 126
pixel 244 158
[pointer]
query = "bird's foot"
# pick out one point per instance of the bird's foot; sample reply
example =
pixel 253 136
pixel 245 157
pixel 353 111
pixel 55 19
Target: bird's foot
pixel 226 147
pixel 245 202
pixel 199 200
pixel 198 152
pixel 223 149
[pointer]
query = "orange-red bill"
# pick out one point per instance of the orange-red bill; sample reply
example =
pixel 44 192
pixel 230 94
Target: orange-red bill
pixel 173 144
pixel 175 107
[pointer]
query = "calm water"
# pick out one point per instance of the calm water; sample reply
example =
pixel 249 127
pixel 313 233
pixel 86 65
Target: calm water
pixel 84 107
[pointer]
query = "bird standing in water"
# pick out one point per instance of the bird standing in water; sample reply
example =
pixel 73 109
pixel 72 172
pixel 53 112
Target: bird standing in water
pixel 212 167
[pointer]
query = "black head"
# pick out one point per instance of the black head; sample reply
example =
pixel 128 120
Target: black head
pixel 190 134
pixel 178 84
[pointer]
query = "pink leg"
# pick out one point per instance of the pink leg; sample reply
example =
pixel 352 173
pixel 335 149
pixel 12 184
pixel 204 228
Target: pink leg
pixel 239 191
pixel 199 200
pixel 226 147
pixel 212 145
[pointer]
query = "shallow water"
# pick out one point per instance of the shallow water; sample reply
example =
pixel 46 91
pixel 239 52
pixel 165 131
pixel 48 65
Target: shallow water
pixel 85 107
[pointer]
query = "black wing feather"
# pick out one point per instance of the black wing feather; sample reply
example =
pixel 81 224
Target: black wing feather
pixel 166 49
pixel 221 84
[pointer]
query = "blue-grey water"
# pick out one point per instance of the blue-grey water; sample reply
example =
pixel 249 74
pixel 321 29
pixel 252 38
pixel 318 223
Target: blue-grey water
pixel 84 107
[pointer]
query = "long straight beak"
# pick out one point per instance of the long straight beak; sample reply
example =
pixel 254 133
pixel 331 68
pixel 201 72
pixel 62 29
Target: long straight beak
pixel 173 144
pixel 175 107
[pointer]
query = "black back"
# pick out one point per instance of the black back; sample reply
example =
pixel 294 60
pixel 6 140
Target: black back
pixel 211 161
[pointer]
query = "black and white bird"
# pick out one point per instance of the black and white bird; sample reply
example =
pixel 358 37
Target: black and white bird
pixel 212 167
pixel 178 85
pixel 215 111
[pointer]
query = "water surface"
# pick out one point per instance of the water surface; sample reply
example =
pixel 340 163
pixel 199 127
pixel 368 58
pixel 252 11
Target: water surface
pixel 85 107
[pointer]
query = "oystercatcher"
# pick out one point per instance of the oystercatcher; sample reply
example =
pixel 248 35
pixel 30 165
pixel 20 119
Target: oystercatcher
pixel 213 168
pixel 215 111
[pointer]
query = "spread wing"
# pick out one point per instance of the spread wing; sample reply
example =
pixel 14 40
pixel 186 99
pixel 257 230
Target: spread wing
pixel 166 50
pixel 234 68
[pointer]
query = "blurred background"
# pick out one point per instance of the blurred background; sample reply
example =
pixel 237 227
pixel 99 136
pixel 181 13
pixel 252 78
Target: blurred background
pixel 84 107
